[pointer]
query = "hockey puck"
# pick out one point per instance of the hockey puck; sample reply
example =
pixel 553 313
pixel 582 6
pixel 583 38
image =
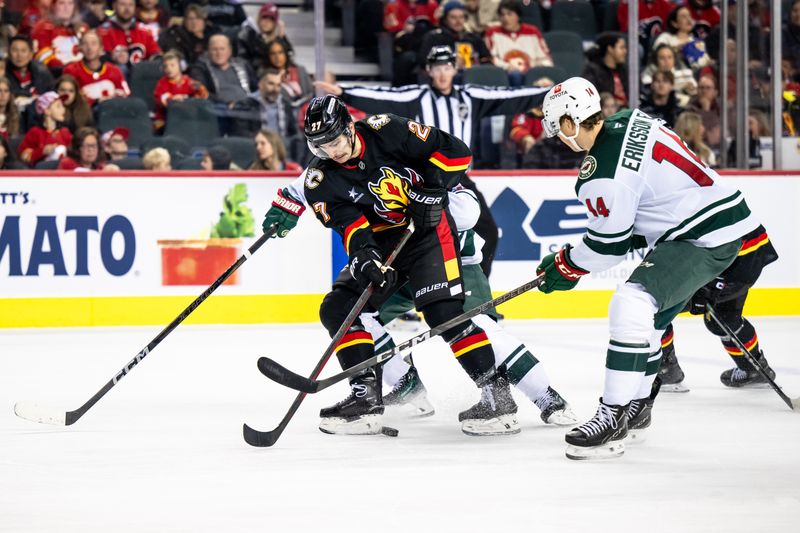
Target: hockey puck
pixel 389 432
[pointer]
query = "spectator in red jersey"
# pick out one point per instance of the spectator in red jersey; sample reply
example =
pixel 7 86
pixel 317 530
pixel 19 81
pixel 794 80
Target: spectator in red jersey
pixel 191 38
pixel 115 143
pixel 396 14
pixel 9 114
pixel 47 142
pixel 516 45
pixel 652 21
pixel 296 81
pixel 256 36
pixel 78 113
pixel 84 153
pixel 152 17
pixel 28 78
pixel 706 17
pixel 174 86
pixel 125 40
pixel 55 38
pixel 271 153
pixel 36 11
pixel 526 128
pixel 607 66
pixel 94 13
pixel 99 80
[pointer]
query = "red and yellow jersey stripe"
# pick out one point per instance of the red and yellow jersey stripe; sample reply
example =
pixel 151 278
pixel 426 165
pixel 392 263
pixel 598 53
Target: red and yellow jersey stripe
pixel 666 341
pixel 449 164
pixel 353 338
pixel 752 245
pixel 469 343
pixel 734 350
pixel 447 244
pixel 361 224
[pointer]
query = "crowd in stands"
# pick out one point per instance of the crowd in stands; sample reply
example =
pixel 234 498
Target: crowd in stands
pixel 131 84
pixel 678 44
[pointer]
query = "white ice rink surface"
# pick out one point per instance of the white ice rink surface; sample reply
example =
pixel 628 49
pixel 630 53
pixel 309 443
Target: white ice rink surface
pixel 163 450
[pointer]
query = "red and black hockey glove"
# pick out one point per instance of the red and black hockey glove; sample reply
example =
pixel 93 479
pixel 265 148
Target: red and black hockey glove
pixel 425 206
pixel 285 212
pixel 366 266
pixel 560 273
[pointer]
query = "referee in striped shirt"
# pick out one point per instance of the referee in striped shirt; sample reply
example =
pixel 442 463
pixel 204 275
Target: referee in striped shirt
pixel 455 109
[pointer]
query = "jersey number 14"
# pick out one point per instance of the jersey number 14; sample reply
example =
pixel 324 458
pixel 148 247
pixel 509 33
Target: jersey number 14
pixel 692 165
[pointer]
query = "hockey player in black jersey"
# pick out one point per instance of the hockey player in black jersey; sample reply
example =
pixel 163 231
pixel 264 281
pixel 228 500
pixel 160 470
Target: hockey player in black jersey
pixel 368 180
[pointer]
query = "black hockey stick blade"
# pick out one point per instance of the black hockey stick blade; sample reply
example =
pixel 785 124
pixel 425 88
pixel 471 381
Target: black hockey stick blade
pixel 793 403
pixel 284 376
pixel 36 413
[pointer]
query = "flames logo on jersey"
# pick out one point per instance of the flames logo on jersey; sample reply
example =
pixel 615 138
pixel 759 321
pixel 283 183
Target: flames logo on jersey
pixel 391 190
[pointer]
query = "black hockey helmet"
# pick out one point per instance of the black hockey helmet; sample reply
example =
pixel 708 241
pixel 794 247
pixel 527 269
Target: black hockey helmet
pixel 326 118
pixel 440 55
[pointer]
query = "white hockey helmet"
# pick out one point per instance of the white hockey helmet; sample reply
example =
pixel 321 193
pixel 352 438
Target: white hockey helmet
pixel 576 98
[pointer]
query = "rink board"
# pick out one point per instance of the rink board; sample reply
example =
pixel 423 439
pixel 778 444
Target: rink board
pixel 94 249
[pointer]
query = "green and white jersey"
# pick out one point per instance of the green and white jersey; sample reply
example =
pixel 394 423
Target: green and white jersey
pixel 640 181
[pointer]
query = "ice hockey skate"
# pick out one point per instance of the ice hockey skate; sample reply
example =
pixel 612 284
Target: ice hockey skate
pixel 494 414
pixel 602 437
pixel 410 395
pixel 747 376
pixel 671 373
pixel 361 413
pixel 555 409
pixel 640 413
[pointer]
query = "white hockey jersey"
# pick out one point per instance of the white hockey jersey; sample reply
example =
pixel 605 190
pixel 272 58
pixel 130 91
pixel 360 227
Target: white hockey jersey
pixel 640 181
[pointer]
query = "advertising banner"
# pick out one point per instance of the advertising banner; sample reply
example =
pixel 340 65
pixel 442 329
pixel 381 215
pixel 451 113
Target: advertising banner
pixel 136 249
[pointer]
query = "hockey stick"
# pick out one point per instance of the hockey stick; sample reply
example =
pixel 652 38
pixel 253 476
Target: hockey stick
pixel 286 377
pixel 36 413
pixel 793 403
pixel 263 439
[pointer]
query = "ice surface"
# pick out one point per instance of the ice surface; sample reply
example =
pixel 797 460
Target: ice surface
pixel 163 450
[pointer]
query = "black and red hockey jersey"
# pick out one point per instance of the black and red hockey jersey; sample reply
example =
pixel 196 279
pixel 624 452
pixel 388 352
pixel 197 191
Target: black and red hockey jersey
pixel 370 193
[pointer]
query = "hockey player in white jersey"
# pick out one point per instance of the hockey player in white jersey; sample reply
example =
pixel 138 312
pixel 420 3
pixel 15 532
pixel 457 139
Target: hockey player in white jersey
pixel 640 184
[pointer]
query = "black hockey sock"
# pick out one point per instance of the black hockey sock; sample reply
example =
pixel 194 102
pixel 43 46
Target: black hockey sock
pixel 747 334
pixel 667 342
pixel 356 346
pixel 474 353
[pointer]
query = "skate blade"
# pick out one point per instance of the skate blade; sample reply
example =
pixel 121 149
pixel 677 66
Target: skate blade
pixel 502 425
pixel 674 387
pixel 364 425
pixel 564 417
pixel 608 450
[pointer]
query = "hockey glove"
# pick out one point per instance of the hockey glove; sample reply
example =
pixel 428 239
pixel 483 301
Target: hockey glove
pixel 366 266
pixel 425 206
pixel 285 212
pixel 560 274
pixel 714 292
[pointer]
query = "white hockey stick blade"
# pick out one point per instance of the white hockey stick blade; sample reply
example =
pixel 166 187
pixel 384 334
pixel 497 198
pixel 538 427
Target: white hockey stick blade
pixel 37 413
pixel 796 405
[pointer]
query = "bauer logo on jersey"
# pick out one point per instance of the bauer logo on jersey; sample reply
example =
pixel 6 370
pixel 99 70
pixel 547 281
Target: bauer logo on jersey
pixel 588 167
pixel 391 190
pixel 376 122
pixel 313 178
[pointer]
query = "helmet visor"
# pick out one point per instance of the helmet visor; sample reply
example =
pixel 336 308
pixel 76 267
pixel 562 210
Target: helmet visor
pixel 551 126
